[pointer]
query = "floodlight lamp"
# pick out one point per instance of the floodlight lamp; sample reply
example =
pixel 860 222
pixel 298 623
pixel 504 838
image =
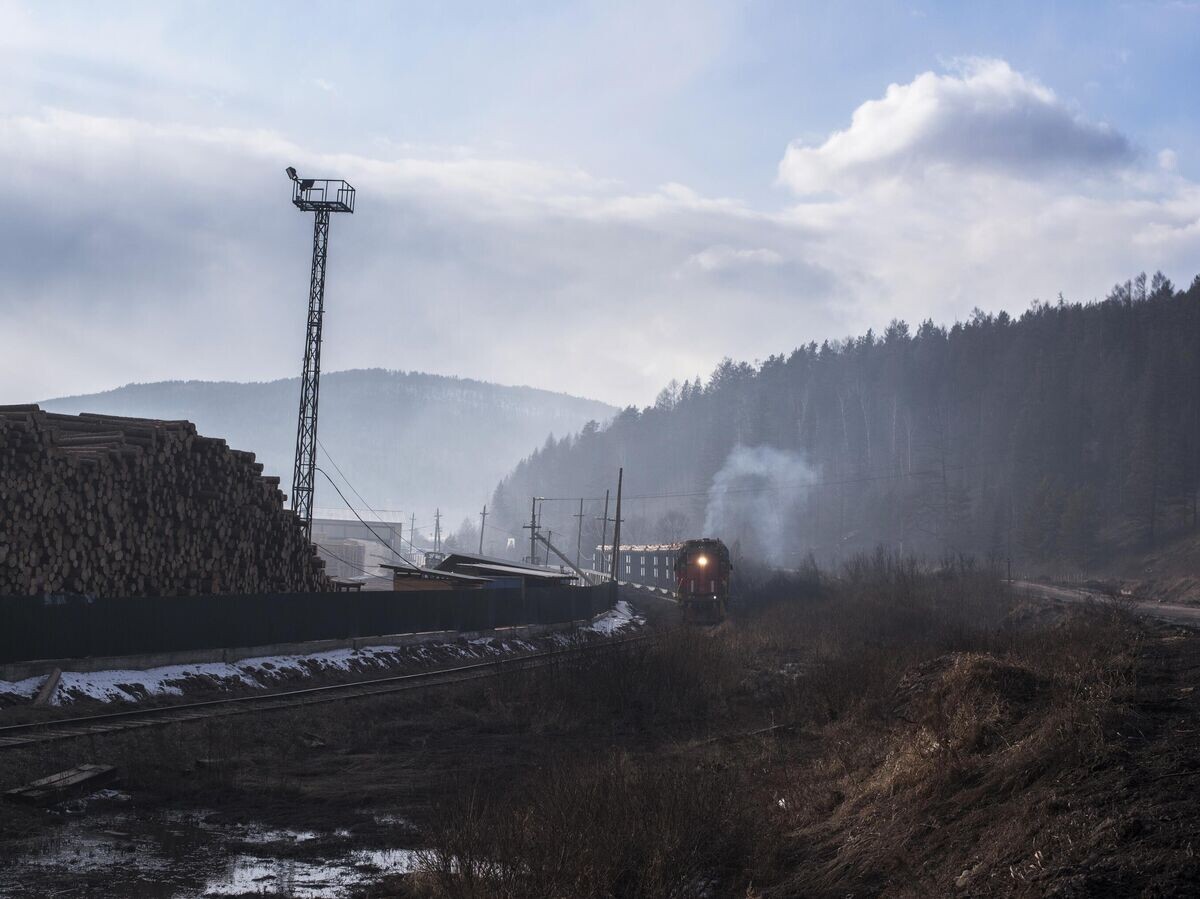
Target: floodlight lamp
pixel 291 173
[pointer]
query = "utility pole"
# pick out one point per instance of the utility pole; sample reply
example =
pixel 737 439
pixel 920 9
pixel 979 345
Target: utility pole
pixel 482 524
pixel 320 197
pixel 579 536
pixel 437 531
pixel 550 547
pixel 412 530
pixel 604 532
pixel 533 529
pixel 617 525
pixel 549 534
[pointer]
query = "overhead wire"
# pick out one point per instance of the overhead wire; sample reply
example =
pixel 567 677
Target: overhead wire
pixel 333 462
pixel 338 469
pixel 325 549
pixel 399 554
pixel 770 488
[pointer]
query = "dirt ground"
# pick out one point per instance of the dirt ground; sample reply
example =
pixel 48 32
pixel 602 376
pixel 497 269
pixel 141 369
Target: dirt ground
pixel 985 811
pixel 1056 759
pixel 195 800
pixel 319 802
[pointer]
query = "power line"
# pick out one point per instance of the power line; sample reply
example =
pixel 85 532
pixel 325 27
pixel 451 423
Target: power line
pixel 802 485
pixel 338 469
pixel 362 522
pixel 332 462
pixel 325 549
pixel 774 488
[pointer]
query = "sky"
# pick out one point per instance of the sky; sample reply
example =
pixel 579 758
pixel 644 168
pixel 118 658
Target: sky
pixel 587 197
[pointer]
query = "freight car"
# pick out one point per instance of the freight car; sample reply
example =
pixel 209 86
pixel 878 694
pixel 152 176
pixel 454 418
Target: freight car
pixel 696 572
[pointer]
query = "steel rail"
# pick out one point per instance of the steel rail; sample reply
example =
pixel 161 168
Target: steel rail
pixel 15 736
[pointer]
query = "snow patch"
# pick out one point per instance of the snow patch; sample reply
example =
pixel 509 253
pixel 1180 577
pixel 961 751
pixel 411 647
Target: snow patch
pixel 168 680
pixel 23 689
pixel 616 620
pixel 262 671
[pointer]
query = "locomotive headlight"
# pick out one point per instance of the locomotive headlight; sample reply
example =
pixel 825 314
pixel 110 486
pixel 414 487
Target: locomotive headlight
pixel 702 561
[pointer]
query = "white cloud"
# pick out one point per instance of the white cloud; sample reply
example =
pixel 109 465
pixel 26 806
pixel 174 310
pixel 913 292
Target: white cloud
pixel 137 250
pixel 983 188
pixel 984 117
pixel 160 250
pixel 722 257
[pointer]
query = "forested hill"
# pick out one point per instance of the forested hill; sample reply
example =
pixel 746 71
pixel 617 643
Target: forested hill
pixel 405 440
pixel 1058 436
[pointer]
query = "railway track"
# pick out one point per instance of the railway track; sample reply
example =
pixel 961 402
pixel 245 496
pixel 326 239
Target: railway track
pixel 18 736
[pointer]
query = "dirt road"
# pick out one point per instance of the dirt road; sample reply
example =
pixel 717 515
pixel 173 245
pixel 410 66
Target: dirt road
pixel 1185 616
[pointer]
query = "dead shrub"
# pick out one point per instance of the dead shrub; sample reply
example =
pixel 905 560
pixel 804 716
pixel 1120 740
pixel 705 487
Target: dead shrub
pixel 607 827
pixel 848 644
pixel 684 676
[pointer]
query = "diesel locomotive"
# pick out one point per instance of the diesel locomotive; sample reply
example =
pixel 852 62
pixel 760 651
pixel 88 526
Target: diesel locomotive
pixel 695 571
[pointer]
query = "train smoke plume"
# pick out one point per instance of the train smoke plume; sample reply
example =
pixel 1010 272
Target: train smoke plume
pixel 752 496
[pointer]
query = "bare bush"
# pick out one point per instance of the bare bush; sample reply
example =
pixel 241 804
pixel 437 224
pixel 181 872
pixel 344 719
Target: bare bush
pixel 685 676
pixel 607 827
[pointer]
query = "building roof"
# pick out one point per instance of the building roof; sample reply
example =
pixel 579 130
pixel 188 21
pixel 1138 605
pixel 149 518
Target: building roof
pixel 433 574
pixel 642 547
pixel 457 558
pixel 656 547
pixel 521 571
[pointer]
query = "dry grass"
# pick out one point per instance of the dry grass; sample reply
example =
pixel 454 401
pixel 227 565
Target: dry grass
pixel 667 685
pixel 611 825
pixel 916 698
pixel 958 769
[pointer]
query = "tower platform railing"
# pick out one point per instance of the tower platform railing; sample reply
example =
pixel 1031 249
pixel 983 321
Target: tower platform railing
pixel 328 194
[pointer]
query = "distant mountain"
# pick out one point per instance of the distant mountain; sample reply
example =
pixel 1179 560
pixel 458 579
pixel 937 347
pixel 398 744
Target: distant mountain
pixel 405 440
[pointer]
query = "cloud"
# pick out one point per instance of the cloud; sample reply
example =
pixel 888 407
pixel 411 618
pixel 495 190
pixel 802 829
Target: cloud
pixel 138 249
pixel 163 250
pixel 982 188
pixel 723 258
pixel 984 117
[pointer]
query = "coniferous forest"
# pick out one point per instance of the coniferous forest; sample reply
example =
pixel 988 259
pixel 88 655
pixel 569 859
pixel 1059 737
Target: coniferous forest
pixel 1059 437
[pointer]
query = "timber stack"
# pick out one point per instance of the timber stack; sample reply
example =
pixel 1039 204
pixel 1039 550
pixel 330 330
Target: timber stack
pixel 112 506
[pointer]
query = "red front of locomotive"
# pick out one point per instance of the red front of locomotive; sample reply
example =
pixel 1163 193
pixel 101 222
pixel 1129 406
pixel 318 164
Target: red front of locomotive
pixel 702 570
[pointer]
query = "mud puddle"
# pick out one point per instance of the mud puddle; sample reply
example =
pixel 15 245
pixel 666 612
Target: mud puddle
pixel 121 853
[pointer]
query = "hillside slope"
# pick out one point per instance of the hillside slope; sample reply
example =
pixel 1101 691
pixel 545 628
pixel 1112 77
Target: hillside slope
pixel 407 441
pixel 1056 438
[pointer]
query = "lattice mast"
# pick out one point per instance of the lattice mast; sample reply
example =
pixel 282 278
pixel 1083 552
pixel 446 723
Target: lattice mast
pixel 320 197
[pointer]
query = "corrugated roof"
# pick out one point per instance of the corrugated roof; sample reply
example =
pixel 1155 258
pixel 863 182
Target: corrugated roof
pixel 642 547
pixel 457 558
pixel 520 571
pixel 434 574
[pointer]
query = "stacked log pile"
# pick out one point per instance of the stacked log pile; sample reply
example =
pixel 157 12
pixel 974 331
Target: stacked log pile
pixel 112 506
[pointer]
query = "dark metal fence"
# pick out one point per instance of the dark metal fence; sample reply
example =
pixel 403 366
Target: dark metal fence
pixel 34 627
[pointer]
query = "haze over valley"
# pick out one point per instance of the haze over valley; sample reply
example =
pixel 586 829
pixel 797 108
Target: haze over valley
pixel 410 443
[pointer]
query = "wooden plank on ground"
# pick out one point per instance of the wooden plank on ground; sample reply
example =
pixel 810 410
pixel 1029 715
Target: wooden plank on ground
pixel 45 697
pixel 64 785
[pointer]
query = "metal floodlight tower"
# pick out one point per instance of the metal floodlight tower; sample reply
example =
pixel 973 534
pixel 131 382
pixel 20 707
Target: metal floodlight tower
pixel 320 197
